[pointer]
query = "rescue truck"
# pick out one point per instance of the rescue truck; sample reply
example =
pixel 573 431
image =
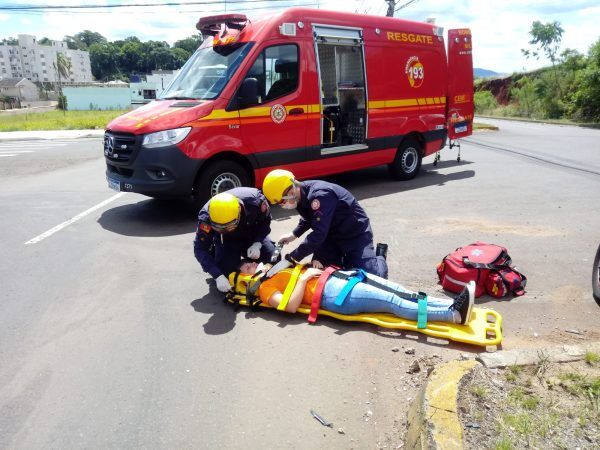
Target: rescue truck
pixel 315 92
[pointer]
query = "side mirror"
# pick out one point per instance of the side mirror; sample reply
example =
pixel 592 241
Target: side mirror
pixel 248 93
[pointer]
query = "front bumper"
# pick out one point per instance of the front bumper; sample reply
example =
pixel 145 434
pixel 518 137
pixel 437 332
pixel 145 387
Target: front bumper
pixel 164 171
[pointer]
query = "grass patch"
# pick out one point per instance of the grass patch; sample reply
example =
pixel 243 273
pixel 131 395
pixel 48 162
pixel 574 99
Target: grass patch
pixel 591 358
pixel 484 126
pixel 478 391
pixel 58 120
pixel 503 443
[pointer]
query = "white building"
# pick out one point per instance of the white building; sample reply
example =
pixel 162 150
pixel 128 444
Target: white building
pixel 36 62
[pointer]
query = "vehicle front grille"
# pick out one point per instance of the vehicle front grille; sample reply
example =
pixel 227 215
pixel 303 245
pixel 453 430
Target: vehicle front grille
pixel 119 147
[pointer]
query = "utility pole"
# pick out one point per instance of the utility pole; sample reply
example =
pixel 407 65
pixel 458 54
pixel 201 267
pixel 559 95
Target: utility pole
pixel 391 6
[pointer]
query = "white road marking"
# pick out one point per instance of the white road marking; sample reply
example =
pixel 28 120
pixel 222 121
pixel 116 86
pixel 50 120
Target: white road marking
pixel 15 151
pixel 74 219
pixel 10 154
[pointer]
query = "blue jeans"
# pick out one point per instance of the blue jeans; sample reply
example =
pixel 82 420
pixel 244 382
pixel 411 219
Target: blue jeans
pixel 365 298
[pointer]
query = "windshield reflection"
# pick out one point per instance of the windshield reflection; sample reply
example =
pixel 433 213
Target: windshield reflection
pixel 207 72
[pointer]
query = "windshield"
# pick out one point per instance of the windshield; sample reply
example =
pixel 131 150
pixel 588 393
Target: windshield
pixel 207 72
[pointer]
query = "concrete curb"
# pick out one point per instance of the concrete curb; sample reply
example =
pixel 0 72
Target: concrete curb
pixel 433 416
pixel 433 421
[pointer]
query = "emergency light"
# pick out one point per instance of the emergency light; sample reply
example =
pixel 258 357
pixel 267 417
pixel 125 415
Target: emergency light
pixel 211 25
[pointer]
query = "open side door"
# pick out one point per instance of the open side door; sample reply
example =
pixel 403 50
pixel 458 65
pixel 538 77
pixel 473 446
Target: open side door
pixel 460 84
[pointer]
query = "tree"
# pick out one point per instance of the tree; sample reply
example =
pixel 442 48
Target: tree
pixel 190 44
pixel 586 98
pixel 44 41
pixel 62 65
pixel 88 38
pixel 104 60
pixel 10 41
pixel 547 38
pixel 525 95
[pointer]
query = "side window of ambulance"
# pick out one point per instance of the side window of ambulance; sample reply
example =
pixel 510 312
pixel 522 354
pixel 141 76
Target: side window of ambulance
pixel 276 70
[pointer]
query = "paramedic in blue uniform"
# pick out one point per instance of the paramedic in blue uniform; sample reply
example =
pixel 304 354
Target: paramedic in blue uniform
pixel 237 222
pixel 340 234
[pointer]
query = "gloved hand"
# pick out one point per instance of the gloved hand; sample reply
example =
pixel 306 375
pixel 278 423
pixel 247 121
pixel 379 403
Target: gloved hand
pixel 287 238
pixel 316 264
pixel 223 284
pixel 254 250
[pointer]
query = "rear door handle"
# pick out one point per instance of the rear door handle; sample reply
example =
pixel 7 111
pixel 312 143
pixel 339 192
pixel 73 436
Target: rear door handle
pixel 296 111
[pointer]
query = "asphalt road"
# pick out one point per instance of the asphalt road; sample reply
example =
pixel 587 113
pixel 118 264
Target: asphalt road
pixel 110 337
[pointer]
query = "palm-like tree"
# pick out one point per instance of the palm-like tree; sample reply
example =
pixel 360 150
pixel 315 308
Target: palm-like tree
pixel 63 69
pixel 62 65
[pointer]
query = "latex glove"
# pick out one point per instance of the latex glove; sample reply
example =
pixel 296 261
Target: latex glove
pixel 316 264
pixel 287 238
pixel 283 264
pixel 223 284
pixel 254 250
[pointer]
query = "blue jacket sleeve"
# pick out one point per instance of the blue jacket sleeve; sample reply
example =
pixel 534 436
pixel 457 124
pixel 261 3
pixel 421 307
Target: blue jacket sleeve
pixel 202 243
pixel 263 221
pixel 302 227
pixel 323 205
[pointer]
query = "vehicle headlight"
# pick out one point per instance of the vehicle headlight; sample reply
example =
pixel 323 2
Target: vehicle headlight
pixel 167 137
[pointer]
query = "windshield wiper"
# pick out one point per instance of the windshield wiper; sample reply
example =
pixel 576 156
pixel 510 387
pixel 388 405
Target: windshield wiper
pixel 179 98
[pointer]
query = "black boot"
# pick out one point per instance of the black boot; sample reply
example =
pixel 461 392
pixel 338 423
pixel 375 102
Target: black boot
pixel 463 303
pixel 381 250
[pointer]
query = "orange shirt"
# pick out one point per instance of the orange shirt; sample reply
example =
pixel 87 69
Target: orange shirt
pixel 279 281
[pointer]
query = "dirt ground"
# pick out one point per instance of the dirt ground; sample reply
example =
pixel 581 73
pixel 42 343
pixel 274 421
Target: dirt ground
pixel 548 405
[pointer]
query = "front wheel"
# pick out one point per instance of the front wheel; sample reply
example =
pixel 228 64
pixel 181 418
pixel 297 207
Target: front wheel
pixel 407 163
pixel 217 177
pixel 596 277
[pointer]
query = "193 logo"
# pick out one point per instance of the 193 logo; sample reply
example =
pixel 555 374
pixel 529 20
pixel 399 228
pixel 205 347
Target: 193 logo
pixel 414 71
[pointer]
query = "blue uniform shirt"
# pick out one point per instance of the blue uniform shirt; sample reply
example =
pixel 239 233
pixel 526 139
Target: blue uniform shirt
pixel 254 226
pixel 332 213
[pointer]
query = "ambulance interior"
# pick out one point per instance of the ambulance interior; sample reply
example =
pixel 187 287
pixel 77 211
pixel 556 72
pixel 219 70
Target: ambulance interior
pixel 343 93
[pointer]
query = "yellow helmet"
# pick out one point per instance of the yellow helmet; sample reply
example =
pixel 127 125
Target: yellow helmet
pixel 224 212
pixel 276 183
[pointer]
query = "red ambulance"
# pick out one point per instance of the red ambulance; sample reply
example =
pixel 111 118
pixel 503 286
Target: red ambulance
pixel 316 92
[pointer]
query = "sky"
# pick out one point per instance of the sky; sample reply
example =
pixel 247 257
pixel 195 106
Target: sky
pixel 500 28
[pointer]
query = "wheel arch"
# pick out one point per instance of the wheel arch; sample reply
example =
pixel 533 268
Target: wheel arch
pixel 247 162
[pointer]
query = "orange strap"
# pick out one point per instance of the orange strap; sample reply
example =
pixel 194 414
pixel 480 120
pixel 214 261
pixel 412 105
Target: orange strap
pixel 316 300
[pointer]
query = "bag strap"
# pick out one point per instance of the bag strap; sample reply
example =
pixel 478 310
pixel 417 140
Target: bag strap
pixel 290 287
pixel 318 295
pixel 520 290
pixel 352 281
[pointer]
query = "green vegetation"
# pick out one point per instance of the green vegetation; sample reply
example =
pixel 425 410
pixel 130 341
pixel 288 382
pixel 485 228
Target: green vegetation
pixel 123 58
pixel 592 358
pixel 58 120
pixel 568 90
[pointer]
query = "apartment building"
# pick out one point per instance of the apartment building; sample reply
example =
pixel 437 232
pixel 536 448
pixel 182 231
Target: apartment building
pixel 36 62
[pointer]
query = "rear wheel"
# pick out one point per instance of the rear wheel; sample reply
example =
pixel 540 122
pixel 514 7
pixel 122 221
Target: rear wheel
pixel 218 177
pixel 407 163
pixel 596 277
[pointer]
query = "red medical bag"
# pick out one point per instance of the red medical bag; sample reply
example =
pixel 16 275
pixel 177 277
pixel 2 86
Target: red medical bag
pixel 486 264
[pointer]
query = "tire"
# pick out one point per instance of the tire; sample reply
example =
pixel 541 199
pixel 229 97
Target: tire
pixel 407 162
pixel 596 277
pixel 217 177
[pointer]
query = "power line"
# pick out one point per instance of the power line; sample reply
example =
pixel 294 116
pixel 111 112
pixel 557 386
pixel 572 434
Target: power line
pixel 66 12
pixel 32 7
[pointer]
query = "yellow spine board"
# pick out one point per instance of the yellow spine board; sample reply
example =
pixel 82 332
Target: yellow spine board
pixel 484 328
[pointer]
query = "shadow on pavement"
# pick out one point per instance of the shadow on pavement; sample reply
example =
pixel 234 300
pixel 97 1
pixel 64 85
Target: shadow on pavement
pixel 151 218
pixel 158 218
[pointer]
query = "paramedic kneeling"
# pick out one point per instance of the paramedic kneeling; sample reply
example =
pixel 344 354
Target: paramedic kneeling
pixel 372 295
pixel 341 232
pixel 237 223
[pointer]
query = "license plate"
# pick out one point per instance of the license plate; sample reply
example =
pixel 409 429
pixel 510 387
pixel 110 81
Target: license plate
pixel 113 184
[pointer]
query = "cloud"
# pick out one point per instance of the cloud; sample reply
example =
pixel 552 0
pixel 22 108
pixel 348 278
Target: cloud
pixel 500 28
